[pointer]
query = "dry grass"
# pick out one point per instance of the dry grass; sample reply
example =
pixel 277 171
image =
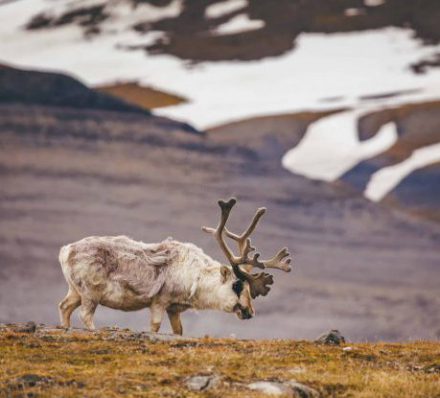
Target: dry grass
pixel 102 364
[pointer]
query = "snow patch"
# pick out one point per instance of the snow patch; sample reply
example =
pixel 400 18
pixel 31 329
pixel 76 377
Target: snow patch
pixel 373 3
pixel 343 65
pixel 386 179
pixel 124 16
pixel 217 10
pixel 238 24
pixel 353 12
pixel 129 41
pixel 331 147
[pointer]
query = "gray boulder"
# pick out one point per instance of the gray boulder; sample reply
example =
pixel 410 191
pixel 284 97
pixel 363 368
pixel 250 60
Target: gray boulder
pixel 28 327
pixel 201 383
pixel 290 389
pixel 302 391
pixel 334 337
pixel 271 388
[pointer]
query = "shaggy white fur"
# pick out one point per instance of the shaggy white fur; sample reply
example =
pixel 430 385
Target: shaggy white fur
pixel 121 273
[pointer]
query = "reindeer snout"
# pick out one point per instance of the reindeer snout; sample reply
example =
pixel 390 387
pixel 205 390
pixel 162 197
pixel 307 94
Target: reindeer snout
pixel 243 312
pixel 246 314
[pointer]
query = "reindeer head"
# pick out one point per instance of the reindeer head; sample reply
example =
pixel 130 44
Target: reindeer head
pixel 240 281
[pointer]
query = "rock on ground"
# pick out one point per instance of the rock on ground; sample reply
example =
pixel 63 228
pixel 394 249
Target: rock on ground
pixel 271 388
pixel 302 391
pixel 31 380
pixel 200 383
pixel 334 337
pixel 28 327
pixel 291 389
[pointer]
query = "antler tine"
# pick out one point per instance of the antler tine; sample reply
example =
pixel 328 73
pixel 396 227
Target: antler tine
pixel 241 239
pixel 281 261
pixel 244 242
pixel 255 262
pixel 226 208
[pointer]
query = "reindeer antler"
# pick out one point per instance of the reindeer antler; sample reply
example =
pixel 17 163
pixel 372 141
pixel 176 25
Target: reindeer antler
pixel 226 208
pixel 281 261
pixel 258 282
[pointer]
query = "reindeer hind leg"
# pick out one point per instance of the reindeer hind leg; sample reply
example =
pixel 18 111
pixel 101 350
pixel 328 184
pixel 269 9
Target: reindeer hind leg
pixel 88 308
pixel 176 323
pixel 69 304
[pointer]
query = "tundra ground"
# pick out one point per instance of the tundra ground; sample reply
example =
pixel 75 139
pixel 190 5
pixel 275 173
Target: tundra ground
pixel 115 362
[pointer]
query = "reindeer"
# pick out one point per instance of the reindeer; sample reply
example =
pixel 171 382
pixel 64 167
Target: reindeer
pixel 169 276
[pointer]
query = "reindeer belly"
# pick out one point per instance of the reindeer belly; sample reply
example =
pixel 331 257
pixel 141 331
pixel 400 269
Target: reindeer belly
pixel 119 297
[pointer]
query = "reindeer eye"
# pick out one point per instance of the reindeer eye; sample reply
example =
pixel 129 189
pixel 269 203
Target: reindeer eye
pixel 237 287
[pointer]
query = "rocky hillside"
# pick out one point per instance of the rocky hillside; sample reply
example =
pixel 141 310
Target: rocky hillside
pixel 67 173
pixel 45 361
pixel 419 193
pixel 55 89
pixel 416 129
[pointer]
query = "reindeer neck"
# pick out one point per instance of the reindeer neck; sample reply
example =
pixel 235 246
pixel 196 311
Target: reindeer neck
pixel 200 276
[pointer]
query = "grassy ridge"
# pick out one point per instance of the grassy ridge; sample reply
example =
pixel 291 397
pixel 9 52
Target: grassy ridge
pixel 109 363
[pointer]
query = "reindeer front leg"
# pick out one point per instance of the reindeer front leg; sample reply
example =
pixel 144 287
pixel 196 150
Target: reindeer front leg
pixel 156 314
pixel 176 324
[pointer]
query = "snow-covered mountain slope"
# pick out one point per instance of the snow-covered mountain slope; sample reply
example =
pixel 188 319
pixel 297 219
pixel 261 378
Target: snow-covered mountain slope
pixel 313 56
pixel 214 30
pixel 323 71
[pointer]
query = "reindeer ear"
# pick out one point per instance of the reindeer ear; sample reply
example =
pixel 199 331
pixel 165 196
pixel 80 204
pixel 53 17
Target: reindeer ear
pixel 225 273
